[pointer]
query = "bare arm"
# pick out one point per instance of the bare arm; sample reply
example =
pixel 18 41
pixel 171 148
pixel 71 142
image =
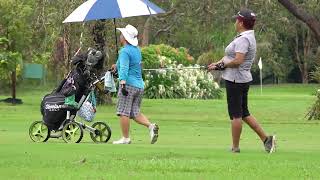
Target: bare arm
pixel 238 60
pixel 235 63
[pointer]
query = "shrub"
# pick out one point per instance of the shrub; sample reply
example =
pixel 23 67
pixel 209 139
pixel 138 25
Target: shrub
pixel 314 112
pixel 315 75
pixel 152 56
pixel 209 57
pixel 181 83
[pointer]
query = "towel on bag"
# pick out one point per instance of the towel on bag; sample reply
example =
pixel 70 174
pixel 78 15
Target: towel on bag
pixel 109 84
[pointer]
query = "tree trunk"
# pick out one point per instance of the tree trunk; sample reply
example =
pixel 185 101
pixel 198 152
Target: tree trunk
pixel 303 56
pixel 67 55
pixel 55 69
pixel 306 56
pixel 297 53
pixel 304 75
pixel 66 38
pixel 246 3
pixel 98 35
pixel 99 40
pixel 13 85
pixel 146 32
pixel 301 14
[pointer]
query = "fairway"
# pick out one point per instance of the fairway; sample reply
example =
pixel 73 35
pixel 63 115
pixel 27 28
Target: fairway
pixel 193 143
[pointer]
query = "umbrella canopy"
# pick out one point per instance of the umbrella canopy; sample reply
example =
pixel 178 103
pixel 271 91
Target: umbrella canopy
pixel 110 9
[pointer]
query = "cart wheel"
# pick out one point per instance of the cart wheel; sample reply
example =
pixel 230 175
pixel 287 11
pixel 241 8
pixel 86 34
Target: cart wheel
pixel 39 132
pixel 72 132
pixel 102 133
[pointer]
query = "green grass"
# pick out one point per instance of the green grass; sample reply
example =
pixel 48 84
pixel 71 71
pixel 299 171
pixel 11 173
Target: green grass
pixel 193 143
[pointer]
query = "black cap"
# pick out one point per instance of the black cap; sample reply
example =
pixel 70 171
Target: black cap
pixel 246 14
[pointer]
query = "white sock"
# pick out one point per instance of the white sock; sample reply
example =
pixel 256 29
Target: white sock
pixel 126 139
pixel 151 126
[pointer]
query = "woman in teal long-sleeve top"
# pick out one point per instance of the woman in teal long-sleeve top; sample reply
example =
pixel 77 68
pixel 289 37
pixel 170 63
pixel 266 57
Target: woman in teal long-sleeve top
pixel 131 86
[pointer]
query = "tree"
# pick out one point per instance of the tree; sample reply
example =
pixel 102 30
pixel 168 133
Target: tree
pixel 16 29
pixel 98 34
pixel 301 40
pixel 8 65
pixel 301 14
pixel 36 31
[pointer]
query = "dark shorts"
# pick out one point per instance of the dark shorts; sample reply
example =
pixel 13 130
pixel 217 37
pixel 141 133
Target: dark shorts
pixel 129 105
pixel 237 98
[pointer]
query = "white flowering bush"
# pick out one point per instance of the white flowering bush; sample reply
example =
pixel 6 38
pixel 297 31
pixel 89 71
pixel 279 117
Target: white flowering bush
pixel 176 82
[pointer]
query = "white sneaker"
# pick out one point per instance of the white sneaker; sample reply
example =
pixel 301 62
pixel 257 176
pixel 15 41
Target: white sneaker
pixel 123 140
pixel 154 133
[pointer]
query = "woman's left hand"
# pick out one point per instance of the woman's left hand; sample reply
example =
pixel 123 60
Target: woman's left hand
pixel 212 66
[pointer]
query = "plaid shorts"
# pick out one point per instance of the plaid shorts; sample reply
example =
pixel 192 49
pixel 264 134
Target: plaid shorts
pixel 129 105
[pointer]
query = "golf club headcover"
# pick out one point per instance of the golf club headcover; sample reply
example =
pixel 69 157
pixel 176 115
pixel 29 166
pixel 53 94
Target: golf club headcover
pixel 124 90
pixel 220 66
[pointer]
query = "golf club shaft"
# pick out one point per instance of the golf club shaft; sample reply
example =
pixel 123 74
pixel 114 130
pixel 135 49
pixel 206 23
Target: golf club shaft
pixel 183 68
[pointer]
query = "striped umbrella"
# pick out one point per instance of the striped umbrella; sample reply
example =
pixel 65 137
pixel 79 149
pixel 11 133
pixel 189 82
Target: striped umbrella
pixel 111 9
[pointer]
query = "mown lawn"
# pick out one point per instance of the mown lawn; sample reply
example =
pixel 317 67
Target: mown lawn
pixel 193 143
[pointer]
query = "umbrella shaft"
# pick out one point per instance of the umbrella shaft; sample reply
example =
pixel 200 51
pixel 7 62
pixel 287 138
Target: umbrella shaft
pixel 115 35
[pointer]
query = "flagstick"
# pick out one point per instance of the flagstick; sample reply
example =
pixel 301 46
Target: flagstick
pixel 260 81
pixel 260 67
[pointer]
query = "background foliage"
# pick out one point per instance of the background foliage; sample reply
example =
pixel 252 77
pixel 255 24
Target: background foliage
pixel 287 47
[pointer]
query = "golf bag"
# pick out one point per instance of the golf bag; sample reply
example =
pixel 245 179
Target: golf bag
pixel 53 106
